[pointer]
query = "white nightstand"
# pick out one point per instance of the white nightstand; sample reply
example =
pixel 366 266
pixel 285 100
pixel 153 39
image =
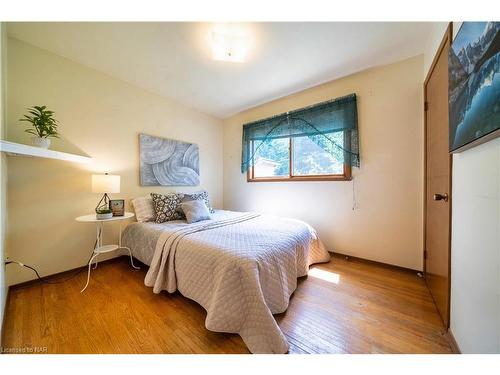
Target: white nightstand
pixel 99 246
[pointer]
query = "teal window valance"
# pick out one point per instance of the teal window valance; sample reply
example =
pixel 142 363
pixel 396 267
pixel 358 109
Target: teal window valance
pixel 319 122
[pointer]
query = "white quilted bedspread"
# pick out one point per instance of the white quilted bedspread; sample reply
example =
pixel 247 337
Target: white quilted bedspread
pixel 242 268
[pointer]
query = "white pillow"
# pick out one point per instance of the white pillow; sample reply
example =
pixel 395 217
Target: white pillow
pixel 144 210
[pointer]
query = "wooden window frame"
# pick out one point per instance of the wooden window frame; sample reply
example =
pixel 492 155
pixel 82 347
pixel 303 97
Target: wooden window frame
pixel 346 176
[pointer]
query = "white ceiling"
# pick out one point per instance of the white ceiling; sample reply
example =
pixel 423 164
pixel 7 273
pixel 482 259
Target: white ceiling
pixel 174 59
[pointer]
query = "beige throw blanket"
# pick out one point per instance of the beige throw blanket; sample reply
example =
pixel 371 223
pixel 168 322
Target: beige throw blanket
pixel 242 268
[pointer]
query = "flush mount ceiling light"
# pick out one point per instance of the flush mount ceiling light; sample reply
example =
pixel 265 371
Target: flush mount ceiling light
pixel 229 43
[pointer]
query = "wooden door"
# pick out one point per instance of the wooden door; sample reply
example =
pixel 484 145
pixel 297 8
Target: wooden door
pixel 438 181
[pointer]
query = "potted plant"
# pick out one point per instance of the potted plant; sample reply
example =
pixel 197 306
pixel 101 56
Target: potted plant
pixel 44 125
pixel 103 213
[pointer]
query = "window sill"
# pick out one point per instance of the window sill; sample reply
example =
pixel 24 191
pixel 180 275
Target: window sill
pixel 301 178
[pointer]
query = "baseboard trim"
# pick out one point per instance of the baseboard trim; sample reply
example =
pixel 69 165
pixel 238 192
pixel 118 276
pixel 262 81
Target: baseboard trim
pixel 453 343
pixel 61 274
pixel 385 265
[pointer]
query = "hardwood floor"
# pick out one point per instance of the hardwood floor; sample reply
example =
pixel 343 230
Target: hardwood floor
pixel 345 306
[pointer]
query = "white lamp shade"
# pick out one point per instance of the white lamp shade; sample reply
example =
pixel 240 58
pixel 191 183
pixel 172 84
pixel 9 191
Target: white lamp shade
pixel 105 183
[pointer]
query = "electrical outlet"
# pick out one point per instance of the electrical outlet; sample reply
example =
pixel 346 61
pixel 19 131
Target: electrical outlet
pixel 6 261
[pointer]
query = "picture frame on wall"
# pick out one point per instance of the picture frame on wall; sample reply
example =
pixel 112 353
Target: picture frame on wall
pixel 117 207
pixel 168 162
pixel 474 85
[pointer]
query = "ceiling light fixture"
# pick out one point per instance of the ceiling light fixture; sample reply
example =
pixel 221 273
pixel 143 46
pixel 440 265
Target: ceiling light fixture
pixel 229 43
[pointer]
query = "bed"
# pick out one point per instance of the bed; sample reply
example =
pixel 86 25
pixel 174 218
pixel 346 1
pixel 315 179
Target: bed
pixel 241 267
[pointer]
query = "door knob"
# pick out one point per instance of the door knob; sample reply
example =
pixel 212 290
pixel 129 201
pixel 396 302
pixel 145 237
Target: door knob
pixel 441 197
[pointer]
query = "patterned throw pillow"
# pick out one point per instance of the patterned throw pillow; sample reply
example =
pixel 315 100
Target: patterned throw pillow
pixel 144 209
pixel 198 196
pixel 167 207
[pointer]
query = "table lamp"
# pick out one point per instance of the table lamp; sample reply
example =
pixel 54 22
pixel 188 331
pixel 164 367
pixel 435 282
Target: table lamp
pixel 105 183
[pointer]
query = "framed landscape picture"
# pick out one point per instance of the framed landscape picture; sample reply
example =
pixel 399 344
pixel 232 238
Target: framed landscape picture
pixel 474 85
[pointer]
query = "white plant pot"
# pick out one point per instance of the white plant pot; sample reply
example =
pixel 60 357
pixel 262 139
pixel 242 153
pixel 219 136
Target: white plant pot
pixel 40 142
pixel 103 216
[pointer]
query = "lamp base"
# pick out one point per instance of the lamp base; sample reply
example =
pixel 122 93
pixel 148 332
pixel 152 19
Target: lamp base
pixel 103 203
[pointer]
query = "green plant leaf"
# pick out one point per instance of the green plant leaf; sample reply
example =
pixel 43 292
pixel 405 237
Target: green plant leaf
pixel 43 122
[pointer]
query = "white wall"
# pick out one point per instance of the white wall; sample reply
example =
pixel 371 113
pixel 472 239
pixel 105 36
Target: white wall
pixel 387 224
pixel 475 247
pixel 99 116
pixel 475 261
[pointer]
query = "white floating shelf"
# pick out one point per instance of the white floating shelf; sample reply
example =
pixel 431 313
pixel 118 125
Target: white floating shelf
pixel 12 148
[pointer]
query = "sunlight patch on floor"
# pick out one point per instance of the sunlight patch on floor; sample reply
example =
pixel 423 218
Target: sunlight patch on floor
pixel 331 277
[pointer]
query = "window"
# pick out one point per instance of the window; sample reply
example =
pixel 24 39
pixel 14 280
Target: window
pixel 318 142
pixel 298 159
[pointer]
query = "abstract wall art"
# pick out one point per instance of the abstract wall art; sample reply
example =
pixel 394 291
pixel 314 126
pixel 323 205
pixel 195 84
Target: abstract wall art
pixel 168 162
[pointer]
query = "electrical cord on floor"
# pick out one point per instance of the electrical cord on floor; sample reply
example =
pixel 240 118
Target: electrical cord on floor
pixel 58 281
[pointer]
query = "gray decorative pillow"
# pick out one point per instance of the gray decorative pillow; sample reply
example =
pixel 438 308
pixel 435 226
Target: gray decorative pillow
pixel 202 195
pixel 167 207
pixel 195 211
